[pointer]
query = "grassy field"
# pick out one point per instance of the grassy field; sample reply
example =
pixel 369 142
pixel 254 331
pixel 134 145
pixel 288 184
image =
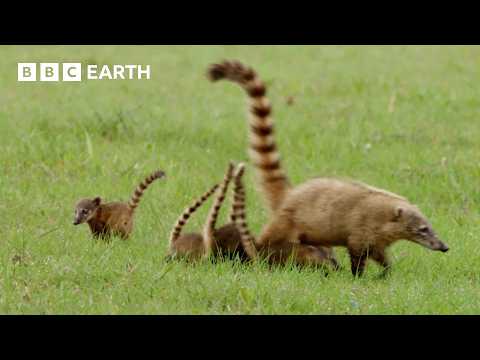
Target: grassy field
pixel 403 118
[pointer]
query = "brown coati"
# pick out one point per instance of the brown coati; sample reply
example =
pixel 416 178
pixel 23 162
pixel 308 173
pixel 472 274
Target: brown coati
pixel 190 245
pixel 327 212
pixel 303 255
pixel 224 242
pixel 113 218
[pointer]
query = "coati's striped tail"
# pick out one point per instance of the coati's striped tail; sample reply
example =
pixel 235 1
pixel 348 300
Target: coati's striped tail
pixel 246 238
pixel 209 228
pixel 138 193
pixel 182 220
pixel 263 150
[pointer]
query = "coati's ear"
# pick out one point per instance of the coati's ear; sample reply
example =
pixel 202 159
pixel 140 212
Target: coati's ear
pixel 97 201
pixel 398 213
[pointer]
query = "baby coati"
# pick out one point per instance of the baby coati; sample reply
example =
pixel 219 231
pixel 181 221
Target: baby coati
pixel 304 255
pixel 322 211
pixel 223 242
pixel 113 218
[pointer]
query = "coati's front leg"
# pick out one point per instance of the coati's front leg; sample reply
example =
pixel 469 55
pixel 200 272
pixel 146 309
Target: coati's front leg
pixel 358 256
pixel 357 261
pixel 99 229
pixel 379 255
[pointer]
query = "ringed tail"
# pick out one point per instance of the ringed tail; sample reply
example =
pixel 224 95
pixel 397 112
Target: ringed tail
pixel 263 150
pixel 182 220
pixel 246 238
pixel 209 228
pixel 138 193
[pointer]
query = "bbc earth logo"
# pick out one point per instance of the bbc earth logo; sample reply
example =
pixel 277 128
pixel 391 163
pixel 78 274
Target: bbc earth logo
pixel 50 72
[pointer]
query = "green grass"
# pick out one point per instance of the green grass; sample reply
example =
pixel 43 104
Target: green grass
pixel 401 118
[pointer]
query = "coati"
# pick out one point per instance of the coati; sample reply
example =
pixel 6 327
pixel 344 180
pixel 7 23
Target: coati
pixel 322 211
pixel 224 241
pixel 304 255
pixel 113 218
pixel 188 245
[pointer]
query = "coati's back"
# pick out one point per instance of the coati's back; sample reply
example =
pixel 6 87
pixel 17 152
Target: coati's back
pixel 119 213
pixel 331 209
pixel 187 246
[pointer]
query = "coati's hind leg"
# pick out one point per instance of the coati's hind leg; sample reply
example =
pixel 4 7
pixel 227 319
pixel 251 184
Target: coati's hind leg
pixel 327 252
pixel 359 255
pixel 334 262
pixel 300 254
pixel 307 255
pixel 123 227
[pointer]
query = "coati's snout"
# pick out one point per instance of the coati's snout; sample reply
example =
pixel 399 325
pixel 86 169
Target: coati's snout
pixel 81 215
pixel 427 237
pixel 85 210
pixel 440 246
pixel 444 248
pixel 433 243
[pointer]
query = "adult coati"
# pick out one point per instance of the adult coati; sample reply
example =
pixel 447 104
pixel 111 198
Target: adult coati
pixel 223 242
pixel 113 218
pixel 322 211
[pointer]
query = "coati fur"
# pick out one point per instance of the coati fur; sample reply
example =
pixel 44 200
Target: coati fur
pixel 302 255
pixel 322 211
pixel 113 218
pixel 223 242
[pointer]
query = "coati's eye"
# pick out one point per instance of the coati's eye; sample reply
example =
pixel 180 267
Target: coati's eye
pixel 84 211
pixel 423 230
